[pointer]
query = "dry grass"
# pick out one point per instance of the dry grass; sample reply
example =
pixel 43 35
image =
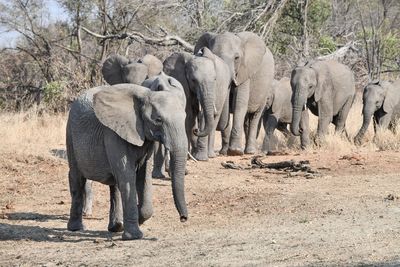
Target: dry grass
pixel 27 133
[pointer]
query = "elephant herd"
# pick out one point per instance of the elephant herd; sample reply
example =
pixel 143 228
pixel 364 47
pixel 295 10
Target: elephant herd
pixel 162 111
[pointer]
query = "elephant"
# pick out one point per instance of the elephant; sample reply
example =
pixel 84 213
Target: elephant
pixel 251 68
pixel 111 132
pixel 278 114
pixel 119 69
pixel 327 89
pixel 205 78
pixel 381 99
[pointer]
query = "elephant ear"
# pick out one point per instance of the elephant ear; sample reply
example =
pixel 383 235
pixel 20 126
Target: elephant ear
pixel 322 84
pixel 112 69
pixel 253 54
pixel 205 52
pixel 204 41
pixel 119 107
pixel 153 64
pixel 392 96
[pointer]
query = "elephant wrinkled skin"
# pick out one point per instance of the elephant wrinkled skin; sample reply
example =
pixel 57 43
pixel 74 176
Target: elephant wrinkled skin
pixel 251 68
pixel 205 79
pixel 110 135
pixel 326 88
pixel 382 101
pixel 278 114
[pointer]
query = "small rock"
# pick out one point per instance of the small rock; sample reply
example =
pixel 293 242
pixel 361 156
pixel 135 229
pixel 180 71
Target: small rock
pixel 9 206
pixel 61 203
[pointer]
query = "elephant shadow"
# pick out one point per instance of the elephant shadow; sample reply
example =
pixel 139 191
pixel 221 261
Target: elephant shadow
pixel 59 153
pixel 44 234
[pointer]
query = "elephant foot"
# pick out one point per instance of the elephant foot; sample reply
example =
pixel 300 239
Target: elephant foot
pixel 224 151
pixel 211 155
pixel 75 226
pixel 201 156
pixel 132 235
pixel 158 174
pixel 116 227
pixel 250 150
pixel 235 152
pixel 87 213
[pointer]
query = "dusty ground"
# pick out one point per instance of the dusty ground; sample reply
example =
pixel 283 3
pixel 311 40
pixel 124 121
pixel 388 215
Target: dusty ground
pixel 350 215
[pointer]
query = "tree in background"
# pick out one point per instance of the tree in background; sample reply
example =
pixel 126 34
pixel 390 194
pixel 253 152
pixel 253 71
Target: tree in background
pixel 54 60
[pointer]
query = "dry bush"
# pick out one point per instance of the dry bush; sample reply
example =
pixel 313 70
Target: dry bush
pixel 27 133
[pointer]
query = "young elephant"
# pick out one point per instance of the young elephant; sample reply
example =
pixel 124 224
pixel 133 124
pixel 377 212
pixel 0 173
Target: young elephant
pixel 205 79
pixel 110 135
pixel 327 89
pixel 278 114
pixel 381 100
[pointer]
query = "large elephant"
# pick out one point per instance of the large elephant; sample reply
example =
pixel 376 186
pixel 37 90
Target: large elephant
pixel 381 100
pixel 251 67
pixel 327 89
pixel 205 78
pixel 278 114
pixel 111 131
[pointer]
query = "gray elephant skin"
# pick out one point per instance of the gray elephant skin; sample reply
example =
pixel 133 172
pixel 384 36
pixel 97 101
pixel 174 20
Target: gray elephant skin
pixel 327 89
pixel 205 78
pixel 111 131
pixel 251 67
pixel 381 100
pixel 278 114
pixel 119 69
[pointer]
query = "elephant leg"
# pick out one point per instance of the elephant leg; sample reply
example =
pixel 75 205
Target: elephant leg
pixel 340 118
pixel 225 136
pixel 324 119
pixel 125 174
pixel 282 127
pixel 211 139
pixel 251 141
pixel 190 125
pixel 201 152
pixel 270 122
pixel 77 187
pixel 305 130
pixel 88 199
pixel 145 191
pixel 159 159
pixel 241 101
pixel 383 122
pixel 115 223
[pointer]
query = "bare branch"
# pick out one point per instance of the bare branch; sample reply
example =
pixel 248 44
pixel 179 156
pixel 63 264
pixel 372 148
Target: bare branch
pixel 167 40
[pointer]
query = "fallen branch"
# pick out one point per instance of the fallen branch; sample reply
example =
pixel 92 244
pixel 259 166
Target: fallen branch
pixel 341 52
pixel 166 40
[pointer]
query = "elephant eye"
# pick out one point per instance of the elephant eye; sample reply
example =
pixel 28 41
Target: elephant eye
pixel 236 58
pixel 158 120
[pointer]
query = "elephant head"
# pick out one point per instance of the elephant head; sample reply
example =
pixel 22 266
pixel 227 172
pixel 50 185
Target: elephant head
pixel 242 52
pixel 305 82
pixel 202 76
pixel 377 95
pixel 119 69
pixel 137 114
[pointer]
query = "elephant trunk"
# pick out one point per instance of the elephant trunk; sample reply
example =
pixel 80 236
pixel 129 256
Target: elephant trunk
pixel 367 115
pixel 297 109
pixel 207 104
pixel 177 168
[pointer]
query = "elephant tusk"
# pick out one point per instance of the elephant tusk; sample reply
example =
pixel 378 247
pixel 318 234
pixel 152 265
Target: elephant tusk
pixel 191 157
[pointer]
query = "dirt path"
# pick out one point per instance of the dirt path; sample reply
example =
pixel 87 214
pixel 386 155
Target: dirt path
pixel 350 215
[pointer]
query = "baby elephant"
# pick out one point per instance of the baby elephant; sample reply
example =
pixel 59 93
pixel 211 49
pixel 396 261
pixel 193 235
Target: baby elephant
pixel 381 100
pixel 278 114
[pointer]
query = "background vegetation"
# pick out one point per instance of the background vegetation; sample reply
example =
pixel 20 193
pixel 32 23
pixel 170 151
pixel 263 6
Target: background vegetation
pixel 53 60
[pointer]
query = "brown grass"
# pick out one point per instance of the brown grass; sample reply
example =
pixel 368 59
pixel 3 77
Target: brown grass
pixel 27 133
